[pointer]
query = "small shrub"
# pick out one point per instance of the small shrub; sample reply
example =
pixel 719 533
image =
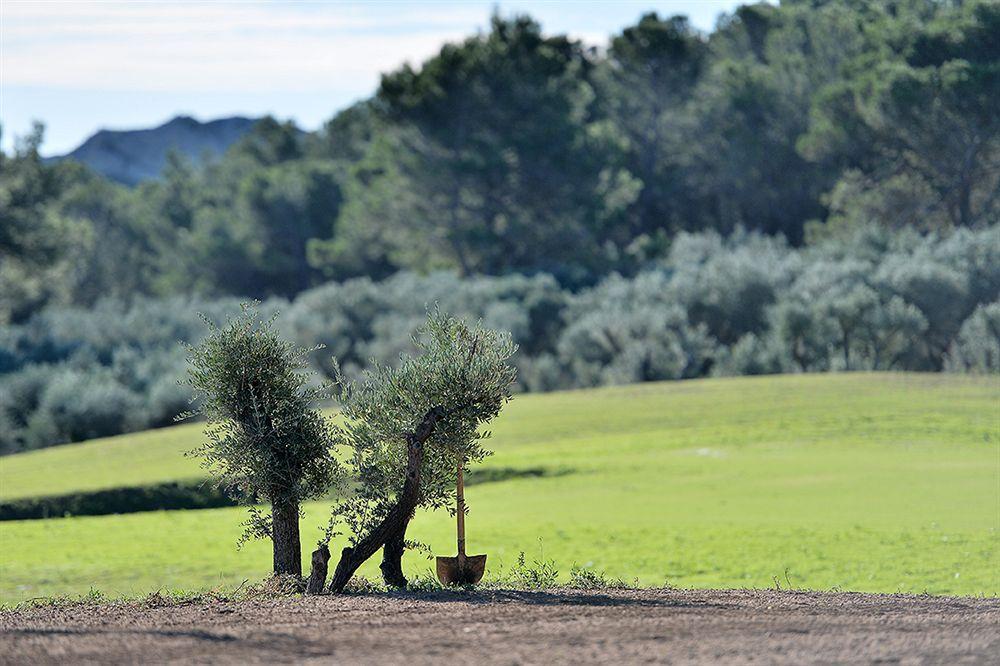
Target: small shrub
pixel 537 575
pixel 92 597
pixel 588 579
pixel 281 585
pixel 425 582
pixel 85 405
pixel 362 585
pixel 976 349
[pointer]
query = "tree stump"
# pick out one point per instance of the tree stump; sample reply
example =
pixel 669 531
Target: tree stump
pixel 317 574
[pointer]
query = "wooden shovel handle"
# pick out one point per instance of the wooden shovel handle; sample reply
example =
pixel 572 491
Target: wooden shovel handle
pixel 460 495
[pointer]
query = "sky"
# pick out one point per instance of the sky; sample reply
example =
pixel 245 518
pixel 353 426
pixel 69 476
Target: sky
pixel 80 65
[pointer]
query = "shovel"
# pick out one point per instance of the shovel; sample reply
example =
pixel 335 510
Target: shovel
pixel 463 569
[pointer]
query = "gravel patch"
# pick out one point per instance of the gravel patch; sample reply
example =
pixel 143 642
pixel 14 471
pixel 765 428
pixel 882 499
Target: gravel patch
pixel 522 627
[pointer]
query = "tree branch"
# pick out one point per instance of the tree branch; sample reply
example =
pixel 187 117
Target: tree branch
pixel 399 515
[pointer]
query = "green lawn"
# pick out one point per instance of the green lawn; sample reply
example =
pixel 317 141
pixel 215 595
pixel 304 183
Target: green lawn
pixel 868 482
pixel 154 456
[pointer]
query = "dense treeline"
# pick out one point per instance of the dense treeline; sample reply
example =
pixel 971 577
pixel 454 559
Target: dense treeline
pixel 515 151
pixel 810 187
pixel 743 304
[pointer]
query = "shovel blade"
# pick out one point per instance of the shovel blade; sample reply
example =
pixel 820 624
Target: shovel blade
pixel 452 571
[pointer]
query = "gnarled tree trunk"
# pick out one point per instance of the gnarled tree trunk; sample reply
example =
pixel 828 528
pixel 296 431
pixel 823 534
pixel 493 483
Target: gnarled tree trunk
pixel 393 526
pixel 392 560
pixel 285 537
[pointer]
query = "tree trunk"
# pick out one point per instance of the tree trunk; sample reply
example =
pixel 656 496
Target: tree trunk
pixel 317 574
pixel 392 560
pixel 965 203
pixel 847 349
pixel 285 537
pixel 395 522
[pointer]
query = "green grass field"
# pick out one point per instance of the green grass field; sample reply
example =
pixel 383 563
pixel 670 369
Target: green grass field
pixel 867 482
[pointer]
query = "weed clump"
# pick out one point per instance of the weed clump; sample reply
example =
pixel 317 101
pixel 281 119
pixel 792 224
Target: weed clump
pixel 583 578
pixel 535 575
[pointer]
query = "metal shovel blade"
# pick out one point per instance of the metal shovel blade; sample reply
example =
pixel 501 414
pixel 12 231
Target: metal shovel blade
pixel 466 570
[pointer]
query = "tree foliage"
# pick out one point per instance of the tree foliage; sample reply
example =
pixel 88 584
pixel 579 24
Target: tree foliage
pixel 265 438
pixel 407 428
pixel 743 304
pixel 463 370
pixel 519 151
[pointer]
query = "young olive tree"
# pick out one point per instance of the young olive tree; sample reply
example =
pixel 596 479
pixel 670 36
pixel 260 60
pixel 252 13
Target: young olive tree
pixel 406 428
pixel 265 439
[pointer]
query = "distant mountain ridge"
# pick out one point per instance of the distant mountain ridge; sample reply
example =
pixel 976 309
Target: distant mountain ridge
pixel 132 156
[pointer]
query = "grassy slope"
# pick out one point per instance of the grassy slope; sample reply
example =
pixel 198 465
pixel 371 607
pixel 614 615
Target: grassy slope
pixel 863 482
pixel 153 456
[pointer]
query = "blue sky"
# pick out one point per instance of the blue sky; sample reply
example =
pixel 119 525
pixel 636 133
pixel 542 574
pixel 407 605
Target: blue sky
pixel 79 65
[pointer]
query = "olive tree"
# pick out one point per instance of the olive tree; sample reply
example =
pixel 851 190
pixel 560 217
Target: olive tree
pixel 405 428
pixel 265 439
pixel 977 347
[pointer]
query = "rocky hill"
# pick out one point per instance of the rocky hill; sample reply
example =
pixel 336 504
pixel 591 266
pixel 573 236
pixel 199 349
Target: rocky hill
pixel 131 156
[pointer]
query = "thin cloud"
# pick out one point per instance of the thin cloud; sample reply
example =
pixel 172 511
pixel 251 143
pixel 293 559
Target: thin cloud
pixel 211 47
pixel 79 65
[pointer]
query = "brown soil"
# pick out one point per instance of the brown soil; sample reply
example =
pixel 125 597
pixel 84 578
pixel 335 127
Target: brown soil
pixel 555 627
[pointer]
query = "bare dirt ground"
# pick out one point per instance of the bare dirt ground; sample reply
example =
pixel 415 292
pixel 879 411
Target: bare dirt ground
pixel 499 627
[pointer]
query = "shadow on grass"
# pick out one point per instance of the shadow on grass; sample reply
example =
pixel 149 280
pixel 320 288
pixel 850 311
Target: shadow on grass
pixel 199 494
pixel 497 474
